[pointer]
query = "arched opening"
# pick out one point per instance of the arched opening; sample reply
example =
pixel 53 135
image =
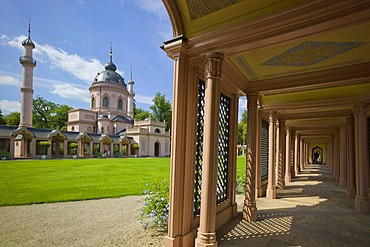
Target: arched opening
pixel 119 106
pixel 105 102
pixel 92 102
pixel 317 155
pixel 157 131
pixel 157 149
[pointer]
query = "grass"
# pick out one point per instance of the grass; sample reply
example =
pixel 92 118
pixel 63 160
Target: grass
pixel 44 181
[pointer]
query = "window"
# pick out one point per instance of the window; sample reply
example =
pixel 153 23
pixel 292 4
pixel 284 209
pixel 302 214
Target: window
pixel 92 102
pixel 105 102
pixel 102 130
pixel 120 104
pixel 157 131
pixel 73 128
pixel 108 130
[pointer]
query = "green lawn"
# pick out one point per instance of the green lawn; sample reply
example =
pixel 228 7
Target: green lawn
pixel 43 181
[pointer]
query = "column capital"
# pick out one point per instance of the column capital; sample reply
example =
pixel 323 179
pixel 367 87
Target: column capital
pixel 175 48
pixel 272 116
pixel 213 65
pixel 360 110
pixel 252 99
pixel 350 120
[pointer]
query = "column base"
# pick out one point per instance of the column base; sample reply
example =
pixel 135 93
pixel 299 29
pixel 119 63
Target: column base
pixel 362 205
pixel 171 242
pixel 250 211
pixel 351 192
pixel 271 193
pixel 288 178
pixel 206 239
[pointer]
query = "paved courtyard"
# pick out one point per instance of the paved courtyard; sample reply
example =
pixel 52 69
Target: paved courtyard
pixel 312 211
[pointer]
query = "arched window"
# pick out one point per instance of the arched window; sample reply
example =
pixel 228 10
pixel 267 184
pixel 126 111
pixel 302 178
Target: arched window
pixel 88 129
pixel 108 130
pixel 92 102
pixel 157 131
pixel 73 128
pixel 114 130
pixel 120 104
pixel 102 130
pixel 105 102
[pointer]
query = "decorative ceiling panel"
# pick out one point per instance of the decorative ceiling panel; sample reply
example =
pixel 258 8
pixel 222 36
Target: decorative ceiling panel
pixel 204 16
pixel 344 47
pixel 199 8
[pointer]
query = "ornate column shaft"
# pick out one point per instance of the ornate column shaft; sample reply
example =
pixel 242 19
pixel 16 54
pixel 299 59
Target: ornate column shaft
pixel 250 208
pixel 342 157
pixel 271 187
pixel 351 171
pixel 336 157
pixel 288 169
pixel 207 226
pixel 281 155
pixel 296 155
pixel 362 162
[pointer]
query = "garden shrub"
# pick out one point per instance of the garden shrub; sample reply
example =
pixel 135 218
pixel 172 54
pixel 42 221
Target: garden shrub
pixel 240 182
pixel 154 213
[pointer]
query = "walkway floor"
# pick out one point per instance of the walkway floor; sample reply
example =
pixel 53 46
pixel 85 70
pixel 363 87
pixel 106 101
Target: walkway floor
pixel 312 211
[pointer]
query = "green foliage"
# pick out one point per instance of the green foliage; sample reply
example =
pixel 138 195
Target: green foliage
pixel 12 118
pixel 241 174
pixel 242 129
pixel 162 109
pixel 134 148
pixel 140 114
pixel 33 181
pixel 2 120
pixel 73 146
pixel 49 115
pixel 44 145
pixel 154 213
pixel 4 154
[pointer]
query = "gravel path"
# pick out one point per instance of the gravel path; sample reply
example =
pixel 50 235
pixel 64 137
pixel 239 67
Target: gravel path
pixel 105 222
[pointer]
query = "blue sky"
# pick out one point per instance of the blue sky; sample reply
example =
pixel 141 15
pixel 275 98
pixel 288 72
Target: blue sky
pixel 73 39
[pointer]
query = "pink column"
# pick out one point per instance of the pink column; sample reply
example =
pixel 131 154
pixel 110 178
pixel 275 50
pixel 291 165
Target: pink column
pixel 351 171
pixel 207 225
pixel 362 162
pixel 288 168
pixel 296 155
pixel 281 155
pixel 342 157
pixel 250 209
pixel 271 187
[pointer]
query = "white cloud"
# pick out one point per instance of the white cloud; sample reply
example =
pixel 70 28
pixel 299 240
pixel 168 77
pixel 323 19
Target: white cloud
pixel 78 66
pixel 155 7
pixel 71 63
pixel 242 103
pixel 146 100
pixel 8 106
pixel 70 92
pixel 9 80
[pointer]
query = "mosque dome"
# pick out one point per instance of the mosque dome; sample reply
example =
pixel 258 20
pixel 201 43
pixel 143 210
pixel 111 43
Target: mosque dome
pixel 28 41
pixel 109 74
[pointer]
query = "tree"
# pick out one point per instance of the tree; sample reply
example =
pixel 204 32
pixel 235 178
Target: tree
pixel 2 120
pixel 12 118
pixel 140 114
pixel 162 109
pixel 42 113
pixel 49 115
pixel 242 128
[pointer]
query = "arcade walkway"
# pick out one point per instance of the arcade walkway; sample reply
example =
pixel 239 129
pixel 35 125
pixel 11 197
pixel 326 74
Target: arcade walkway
pixel 311 211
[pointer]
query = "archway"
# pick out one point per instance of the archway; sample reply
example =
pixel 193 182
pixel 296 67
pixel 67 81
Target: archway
pixel 317 155
pixel 157 148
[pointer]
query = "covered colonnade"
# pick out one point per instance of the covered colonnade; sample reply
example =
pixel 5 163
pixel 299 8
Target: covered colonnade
pixel 304 68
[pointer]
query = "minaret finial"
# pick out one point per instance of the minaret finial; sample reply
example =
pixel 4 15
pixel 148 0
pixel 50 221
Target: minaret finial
pixel 110 53
pixel 131 73
pixel 29 28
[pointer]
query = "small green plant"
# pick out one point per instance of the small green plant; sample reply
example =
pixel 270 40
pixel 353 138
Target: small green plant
pixel 73 146
pixel 97 154
pixel 44 145
pixel 154 213
pixel 4 154
pixel 134 148
pixel 240 182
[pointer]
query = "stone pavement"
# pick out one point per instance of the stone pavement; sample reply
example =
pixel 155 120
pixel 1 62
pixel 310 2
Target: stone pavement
pixel 311 211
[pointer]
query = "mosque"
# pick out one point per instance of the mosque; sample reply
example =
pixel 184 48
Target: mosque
pixel 107 129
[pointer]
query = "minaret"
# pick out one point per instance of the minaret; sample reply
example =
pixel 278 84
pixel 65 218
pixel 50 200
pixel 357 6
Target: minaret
pixel 131 95
pixel 28 63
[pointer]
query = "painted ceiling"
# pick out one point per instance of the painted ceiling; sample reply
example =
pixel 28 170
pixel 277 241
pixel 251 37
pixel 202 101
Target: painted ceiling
pixel 338 48
pixel 204 16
